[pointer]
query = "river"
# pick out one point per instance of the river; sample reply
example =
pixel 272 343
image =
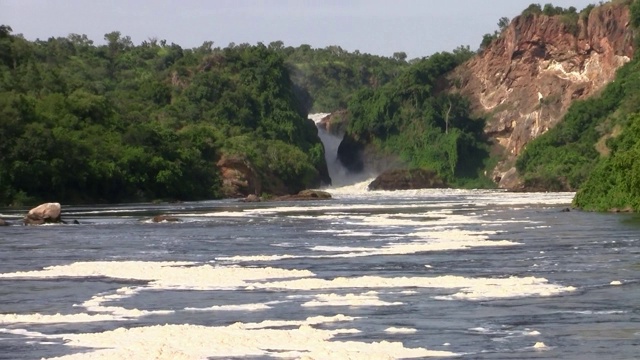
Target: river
pixel 463 274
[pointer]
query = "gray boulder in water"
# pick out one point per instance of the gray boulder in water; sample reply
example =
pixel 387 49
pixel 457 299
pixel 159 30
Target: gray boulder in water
pixel 47 213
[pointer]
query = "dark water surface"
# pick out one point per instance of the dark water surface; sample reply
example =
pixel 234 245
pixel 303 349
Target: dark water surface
pixel 385 245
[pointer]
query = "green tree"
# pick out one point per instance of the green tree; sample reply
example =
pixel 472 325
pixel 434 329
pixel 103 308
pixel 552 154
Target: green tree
pixel 503 23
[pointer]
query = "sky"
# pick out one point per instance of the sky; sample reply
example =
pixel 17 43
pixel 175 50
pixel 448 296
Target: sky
pixel 381 27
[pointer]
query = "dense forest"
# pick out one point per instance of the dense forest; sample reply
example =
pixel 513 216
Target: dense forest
pixel 595 148
pixel 332 75
pixel 123 122
pixel 119 122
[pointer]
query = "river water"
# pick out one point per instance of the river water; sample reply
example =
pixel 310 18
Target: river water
pixel 367 275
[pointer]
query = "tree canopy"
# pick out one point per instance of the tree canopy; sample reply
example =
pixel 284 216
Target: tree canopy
pixel 120 122
pixel 430 129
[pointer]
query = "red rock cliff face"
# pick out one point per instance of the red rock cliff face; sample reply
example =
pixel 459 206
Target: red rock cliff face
pixel 527 78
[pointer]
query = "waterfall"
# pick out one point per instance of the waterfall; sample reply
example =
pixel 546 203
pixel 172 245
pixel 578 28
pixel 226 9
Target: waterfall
pixel 339 174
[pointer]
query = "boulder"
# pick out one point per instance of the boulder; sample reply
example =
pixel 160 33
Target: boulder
pixel 48 213
pixel 314 194
pixel 407 179
pixel 335 123
pixel 305 195
pixel 165 218
pixel 4 223
pixel 251 198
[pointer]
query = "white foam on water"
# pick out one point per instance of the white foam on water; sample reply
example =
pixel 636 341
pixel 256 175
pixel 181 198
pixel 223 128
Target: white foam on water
pixel 346 233
pixel 436 220
pixel 273 338
pixel 96 304
pixel 340 248
pixel 480 329
pixel 312 320
pixel 176 275
pixel 408 292
pixel 249 258
pixel 471 197
pixel 418 247
pixel 428 241
pixel 355 233
pixel 161 276
pixel 326 231
pixel 239 307
pixel 28 333
pixel 388 220
pixel 328 207
pixel 467 288
pixel 505 333
pixel 165 275
pixel 595 312
pixel 432 245
pixel 400 330
pixel 190 342
pixel 354 300
pixel 217 214
pixel 335 211
pixel 58 318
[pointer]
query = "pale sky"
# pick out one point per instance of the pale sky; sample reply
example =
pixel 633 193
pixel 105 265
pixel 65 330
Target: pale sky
pixel 381 27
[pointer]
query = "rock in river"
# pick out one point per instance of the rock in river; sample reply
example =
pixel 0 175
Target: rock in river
pixel 399 179
pixel 47 213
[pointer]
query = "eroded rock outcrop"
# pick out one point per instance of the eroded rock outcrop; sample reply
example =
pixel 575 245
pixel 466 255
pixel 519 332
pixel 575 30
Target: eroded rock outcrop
pixel 526 79
pixel 239 178
pixel 335 123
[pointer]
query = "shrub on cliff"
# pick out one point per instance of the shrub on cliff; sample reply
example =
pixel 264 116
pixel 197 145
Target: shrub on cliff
pixel 567 150
pixel 615 181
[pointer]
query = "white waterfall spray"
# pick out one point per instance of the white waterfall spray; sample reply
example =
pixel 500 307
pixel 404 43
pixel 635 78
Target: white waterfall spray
pixel 341 178
pixel 337 172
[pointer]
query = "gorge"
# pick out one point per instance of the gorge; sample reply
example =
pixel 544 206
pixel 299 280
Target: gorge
pixel 543 66
pixel 536 107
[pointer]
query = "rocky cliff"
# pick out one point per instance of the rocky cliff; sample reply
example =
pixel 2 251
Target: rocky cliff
pixel 527 78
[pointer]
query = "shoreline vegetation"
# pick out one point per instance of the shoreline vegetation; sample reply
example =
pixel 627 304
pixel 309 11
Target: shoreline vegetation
pixel 119 122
